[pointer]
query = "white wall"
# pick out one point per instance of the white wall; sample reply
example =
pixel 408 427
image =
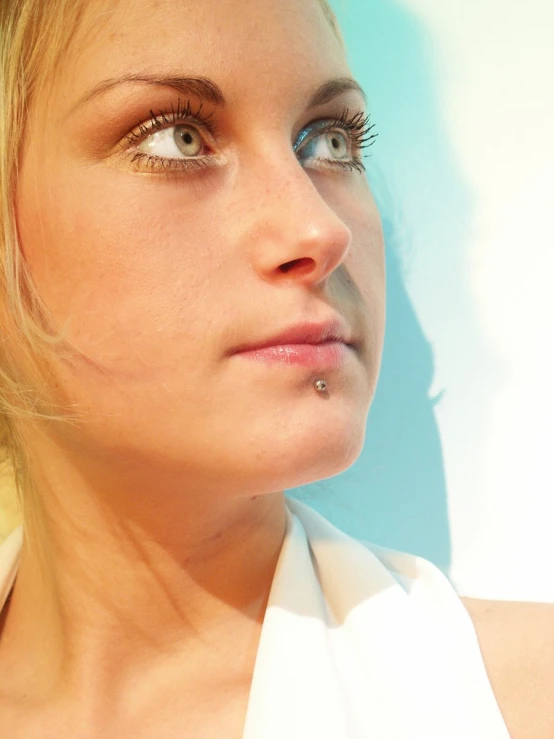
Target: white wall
pixel 462 94
pixel 497 97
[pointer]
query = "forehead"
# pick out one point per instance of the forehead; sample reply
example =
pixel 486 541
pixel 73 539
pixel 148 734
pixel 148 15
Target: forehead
pixel 250 46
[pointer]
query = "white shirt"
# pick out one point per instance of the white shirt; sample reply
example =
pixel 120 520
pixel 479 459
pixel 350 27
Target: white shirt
pixel 358 642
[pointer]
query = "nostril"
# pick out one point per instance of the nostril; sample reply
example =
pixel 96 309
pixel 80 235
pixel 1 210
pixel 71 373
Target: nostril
pixel 305 263
pixel 289 265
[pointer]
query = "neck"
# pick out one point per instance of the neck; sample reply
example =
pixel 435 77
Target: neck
pixel 113 580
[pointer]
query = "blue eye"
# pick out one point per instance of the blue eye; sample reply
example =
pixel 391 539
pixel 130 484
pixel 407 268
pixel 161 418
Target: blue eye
pixel 336 142
pixel 332 145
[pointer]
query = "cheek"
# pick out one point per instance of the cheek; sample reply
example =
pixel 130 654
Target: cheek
pixel 117 257
pixel 365 263
pixel 364 266
pixel 364 273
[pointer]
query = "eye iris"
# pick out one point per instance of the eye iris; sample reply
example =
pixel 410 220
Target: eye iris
pixel 188 140
pixel 338 145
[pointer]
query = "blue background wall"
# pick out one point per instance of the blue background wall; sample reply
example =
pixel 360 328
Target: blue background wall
pixel 457 461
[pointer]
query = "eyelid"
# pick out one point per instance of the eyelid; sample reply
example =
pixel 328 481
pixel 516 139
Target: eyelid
pixel 321 126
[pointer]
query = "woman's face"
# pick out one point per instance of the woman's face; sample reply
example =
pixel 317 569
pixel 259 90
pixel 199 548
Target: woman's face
pixel 172 222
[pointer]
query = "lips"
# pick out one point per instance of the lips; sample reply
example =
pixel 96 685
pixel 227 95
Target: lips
pixel 317 346
pixel 302 334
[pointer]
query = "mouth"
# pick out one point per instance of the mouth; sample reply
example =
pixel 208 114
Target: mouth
pixel 324 346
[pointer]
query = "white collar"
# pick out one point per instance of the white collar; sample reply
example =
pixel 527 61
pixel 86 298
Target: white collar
pixel 357 641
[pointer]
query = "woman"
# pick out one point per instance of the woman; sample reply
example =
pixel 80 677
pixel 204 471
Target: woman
pixel 192 320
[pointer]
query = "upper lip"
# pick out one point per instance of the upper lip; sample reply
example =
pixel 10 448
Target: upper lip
pixel 303 333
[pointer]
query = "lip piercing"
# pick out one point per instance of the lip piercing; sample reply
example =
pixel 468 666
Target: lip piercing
pixel 320 386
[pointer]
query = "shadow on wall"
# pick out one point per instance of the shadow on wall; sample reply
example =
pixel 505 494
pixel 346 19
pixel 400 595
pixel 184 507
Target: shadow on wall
pixel 395 495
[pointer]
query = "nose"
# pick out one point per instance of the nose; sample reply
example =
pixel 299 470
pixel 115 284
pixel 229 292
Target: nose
pixel 295 234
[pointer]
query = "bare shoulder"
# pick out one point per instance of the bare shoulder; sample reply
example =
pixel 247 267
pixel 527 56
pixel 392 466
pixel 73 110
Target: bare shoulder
pixel 517 643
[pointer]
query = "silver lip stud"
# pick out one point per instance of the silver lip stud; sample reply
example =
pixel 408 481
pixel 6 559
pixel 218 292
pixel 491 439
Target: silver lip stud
pixel 320 386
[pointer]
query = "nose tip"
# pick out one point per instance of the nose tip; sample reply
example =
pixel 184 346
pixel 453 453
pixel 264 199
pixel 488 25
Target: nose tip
pixel 323 250
pixel 307 239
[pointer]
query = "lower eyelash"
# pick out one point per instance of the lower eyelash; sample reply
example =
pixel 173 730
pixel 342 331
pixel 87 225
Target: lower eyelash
pixel 354 164
pixel 153 162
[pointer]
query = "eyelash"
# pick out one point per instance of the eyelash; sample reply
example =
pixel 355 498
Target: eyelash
pixel 356 125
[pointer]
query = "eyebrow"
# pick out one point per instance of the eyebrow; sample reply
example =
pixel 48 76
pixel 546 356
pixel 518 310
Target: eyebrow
pixel 332 89
pixel 209 91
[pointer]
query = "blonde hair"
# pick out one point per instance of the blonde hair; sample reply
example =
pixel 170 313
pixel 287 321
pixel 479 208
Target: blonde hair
pixel 33 36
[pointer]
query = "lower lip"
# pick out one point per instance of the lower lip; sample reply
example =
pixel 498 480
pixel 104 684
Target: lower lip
pixel 327 355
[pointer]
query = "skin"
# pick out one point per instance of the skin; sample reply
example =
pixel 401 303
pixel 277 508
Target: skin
pixel 157 521
pixel 158 518
pixel 517 644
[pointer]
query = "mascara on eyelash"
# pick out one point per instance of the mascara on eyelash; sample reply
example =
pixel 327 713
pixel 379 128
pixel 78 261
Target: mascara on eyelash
pixel 357 126
pixel 183 112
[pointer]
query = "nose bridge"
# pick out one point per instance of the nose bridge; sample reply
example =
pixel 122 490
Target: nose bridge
pixel 293 221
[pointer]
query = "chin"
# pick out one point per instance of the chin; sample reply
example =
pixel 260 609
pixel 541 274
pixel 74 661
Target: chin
pixel 316 452
pixel 333 458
